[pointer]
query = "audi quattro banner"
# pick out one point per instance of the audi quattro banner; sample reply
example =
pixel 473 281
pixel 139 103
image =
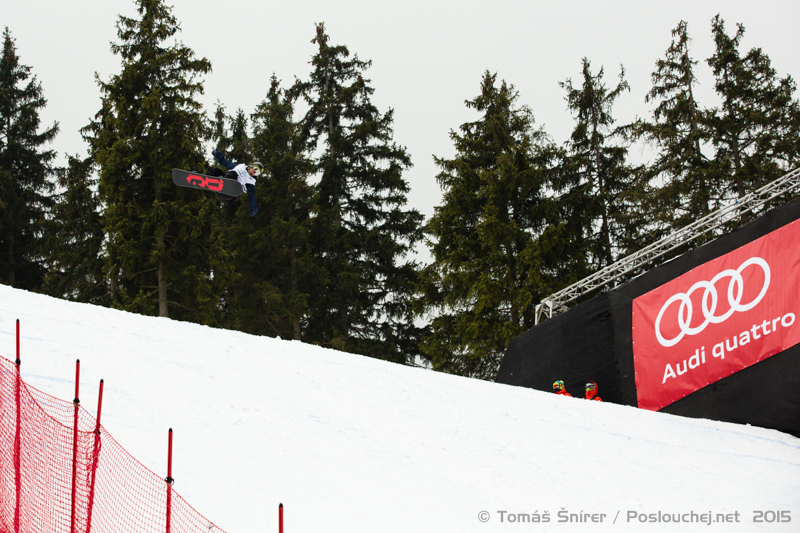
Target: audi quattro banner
pixel 717 319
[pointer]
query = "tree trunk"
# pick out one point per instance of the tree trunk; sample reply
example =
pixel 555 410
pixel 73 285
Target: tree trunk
pixel 295 311
pixel 12 269
pixel 605 229
pixel 163 305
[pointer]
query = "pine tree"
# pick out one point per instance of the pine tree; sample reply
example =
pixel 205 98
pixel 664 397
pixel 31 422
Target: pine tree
pixel 598 185
pixel 687 187
pixel 488 267
pixel 74 237
pixel 25 169
pixel 236 144
pixel 220 128
pixel 240 140
pixel 361 233
pixel 164 251
pixel 755 129
pixel 277 272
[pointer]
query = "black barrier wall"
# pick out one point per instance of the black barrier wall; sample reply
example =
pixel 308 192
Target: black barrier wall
pixel 593 341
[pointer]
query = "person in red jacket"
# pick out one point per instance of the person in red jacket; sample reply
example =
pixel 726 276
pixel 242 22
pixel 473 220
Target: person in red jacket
pixel 558 388
pixel 591 391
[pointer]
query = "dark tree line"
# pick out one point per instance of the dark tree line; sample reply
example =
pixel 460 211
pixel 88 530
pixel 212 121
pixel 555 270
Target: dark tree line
pixel 328 258
pixel 26 169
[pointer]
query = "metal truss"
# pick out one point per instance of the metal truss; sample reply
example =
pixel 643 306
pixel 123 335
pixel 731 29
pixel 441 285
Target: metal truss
pixel 610 276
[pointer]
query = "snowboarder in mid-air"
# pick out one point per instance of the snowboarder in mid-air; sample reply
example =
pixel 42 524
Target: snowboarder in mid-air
pixel 244 174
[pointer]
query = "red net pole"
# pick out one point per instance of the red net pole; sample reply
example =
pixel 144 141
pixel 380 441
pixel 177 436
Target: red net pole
pixel 95 458
pixel 77 403
pixel 280 518
pixel 169 481
pixel 17 458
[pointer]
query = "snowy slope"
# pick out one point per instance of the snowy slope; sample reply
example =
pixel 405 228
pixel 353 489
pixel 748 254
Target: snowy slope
pixel 352 444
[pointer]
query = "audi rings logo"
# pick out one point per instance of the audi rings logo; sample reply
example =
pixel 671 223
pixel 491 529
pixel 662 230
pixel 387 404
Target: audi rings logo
pixel 709 301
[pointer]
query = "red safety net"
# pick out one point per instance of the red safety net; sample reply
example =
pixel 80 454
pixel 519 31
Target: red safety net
pixel 112 491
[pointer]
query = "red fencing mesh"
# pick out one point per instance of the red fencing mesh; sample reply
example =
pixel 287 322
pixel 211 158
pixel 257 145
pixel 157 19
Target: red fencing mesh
pixel 112 490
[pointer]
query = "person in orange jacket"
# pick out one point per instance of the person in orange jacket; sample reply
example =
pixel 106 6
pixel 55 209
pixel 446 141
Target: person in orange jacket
pixel 558 388
pixel 591 391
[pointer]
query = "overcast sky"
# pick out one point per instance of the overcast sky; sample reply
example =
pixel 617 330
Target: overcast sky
pixel 428 55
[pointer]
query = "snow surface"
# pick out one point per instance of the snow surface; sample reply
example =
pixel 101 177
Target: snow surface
pixel 353 444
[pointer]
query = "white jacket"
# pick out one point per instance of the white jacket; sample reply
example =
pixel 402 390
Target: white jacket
pixel 243 176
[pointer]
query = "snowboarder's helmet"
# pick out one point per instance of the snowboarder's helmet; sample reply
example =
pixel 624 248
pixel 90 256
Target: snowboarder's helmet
pixel 558 385
pixel 258 168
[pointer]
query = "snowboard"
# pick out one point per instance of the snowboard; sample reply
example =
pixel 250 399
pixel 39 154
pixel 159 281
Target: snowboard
pixel 225 188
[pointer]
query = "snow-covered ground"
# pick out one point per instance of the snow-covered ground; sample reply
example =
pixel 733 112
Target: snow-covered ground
pixel 352 444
